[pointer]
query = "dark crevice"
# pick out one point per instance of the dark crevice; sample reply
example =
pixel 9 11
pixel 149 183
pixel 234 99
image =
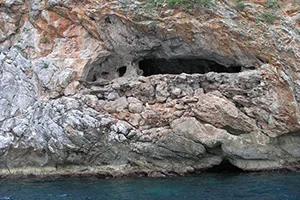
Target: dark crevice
pixel 217 150
pixel 251 68
pixel 94 78
pixel 262 60
pixel 225 167
pixel 107 20
pixel 152 66
pixel 104 75
pixel 122 71
pixel 237 104
pixel 233 131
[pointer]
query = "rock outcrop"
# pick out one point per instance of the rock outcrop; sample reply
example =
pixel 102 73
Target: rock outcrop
pixel 125 87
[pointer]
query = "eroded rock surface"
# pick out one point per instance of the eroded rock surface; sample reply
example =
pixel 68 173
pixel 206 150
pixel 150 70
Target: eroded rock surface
pixel 108 87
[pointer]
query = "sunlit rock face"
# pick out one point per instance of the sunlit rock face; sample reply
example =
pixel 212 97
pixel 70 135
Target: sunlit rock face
pixel 128 87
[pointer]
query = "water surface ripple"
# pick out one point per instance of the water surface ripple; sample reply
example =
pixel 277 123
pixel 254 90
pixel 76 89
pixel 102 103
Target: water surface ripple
pixel 250 186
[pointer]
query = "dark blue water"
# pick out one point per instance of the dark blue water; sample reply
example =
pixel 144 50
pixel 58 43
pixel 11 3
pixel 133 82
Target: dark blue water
pixel 256 186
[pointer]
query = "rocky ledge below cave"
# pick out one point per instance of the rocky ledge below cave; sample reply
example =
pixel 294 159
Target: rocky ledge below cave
pixel 111 89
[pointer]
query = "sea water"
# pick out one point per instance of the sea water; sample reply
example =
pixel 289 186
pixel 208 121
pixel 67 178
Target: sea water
pixel 254 186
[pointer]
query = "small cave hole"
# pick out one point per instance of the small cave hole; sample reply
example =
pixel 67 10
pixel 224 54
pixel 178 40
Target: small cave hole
pixel 104 75
pixel 122 71
pixel 107 20
pixel 225 167
pixel 94 78
pixel 152 66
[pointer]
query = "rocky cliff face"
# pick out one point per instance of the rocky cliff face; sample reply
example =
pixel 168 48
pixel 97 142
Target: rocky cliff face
pixel 121 87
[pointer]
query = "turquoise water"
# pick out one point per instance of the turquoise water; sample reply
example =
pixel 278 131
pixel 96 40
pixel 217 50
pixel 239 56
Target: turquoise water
pixel 256 186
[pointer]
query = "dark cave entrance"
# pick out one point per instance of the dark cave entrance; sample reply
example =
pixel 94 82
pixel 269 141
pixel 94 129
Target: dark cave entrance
pixel 225 167
pixel 122 71
pixel 152 66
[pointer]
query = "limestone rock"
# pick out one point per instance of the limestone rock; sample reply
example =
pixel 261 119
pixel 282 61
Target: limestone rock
pixel 205 134
pixel 107 87
pixel 135 105
pixel 116 105
pixel 222 113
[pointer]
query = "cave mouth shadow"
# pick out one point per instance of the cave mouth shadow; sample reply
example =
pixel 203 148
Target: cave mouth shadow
pixel 224 167
pixel 154 66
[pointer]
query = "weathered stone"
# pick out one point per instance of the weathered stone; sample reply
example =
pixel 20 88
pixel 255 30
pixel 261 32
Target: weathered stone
pixel 112 96
pixel 72 88
pixel 206 134
pixel 176 91
pixel 161 93
pixel 178 113
pixel 170 91
pixel 220 112
pixel 4 109
pixel 91 100
pixel 135 105
pixel 121 127
pixel 136 120
pixel 65 77
pixel 117 105
pixel 181 145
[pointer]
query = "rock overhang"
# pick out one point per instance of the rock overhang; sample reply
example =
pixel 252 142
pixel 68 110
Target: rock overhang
pixel 158 62
pixel 130 42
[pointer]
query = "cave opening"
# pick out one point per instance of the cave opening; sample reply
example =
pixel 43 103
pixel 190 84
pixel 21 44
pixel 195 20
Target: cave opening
pixel 153 66
pixel 105 75
pixel 107 20
pixel 226 167
pixel 122 71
